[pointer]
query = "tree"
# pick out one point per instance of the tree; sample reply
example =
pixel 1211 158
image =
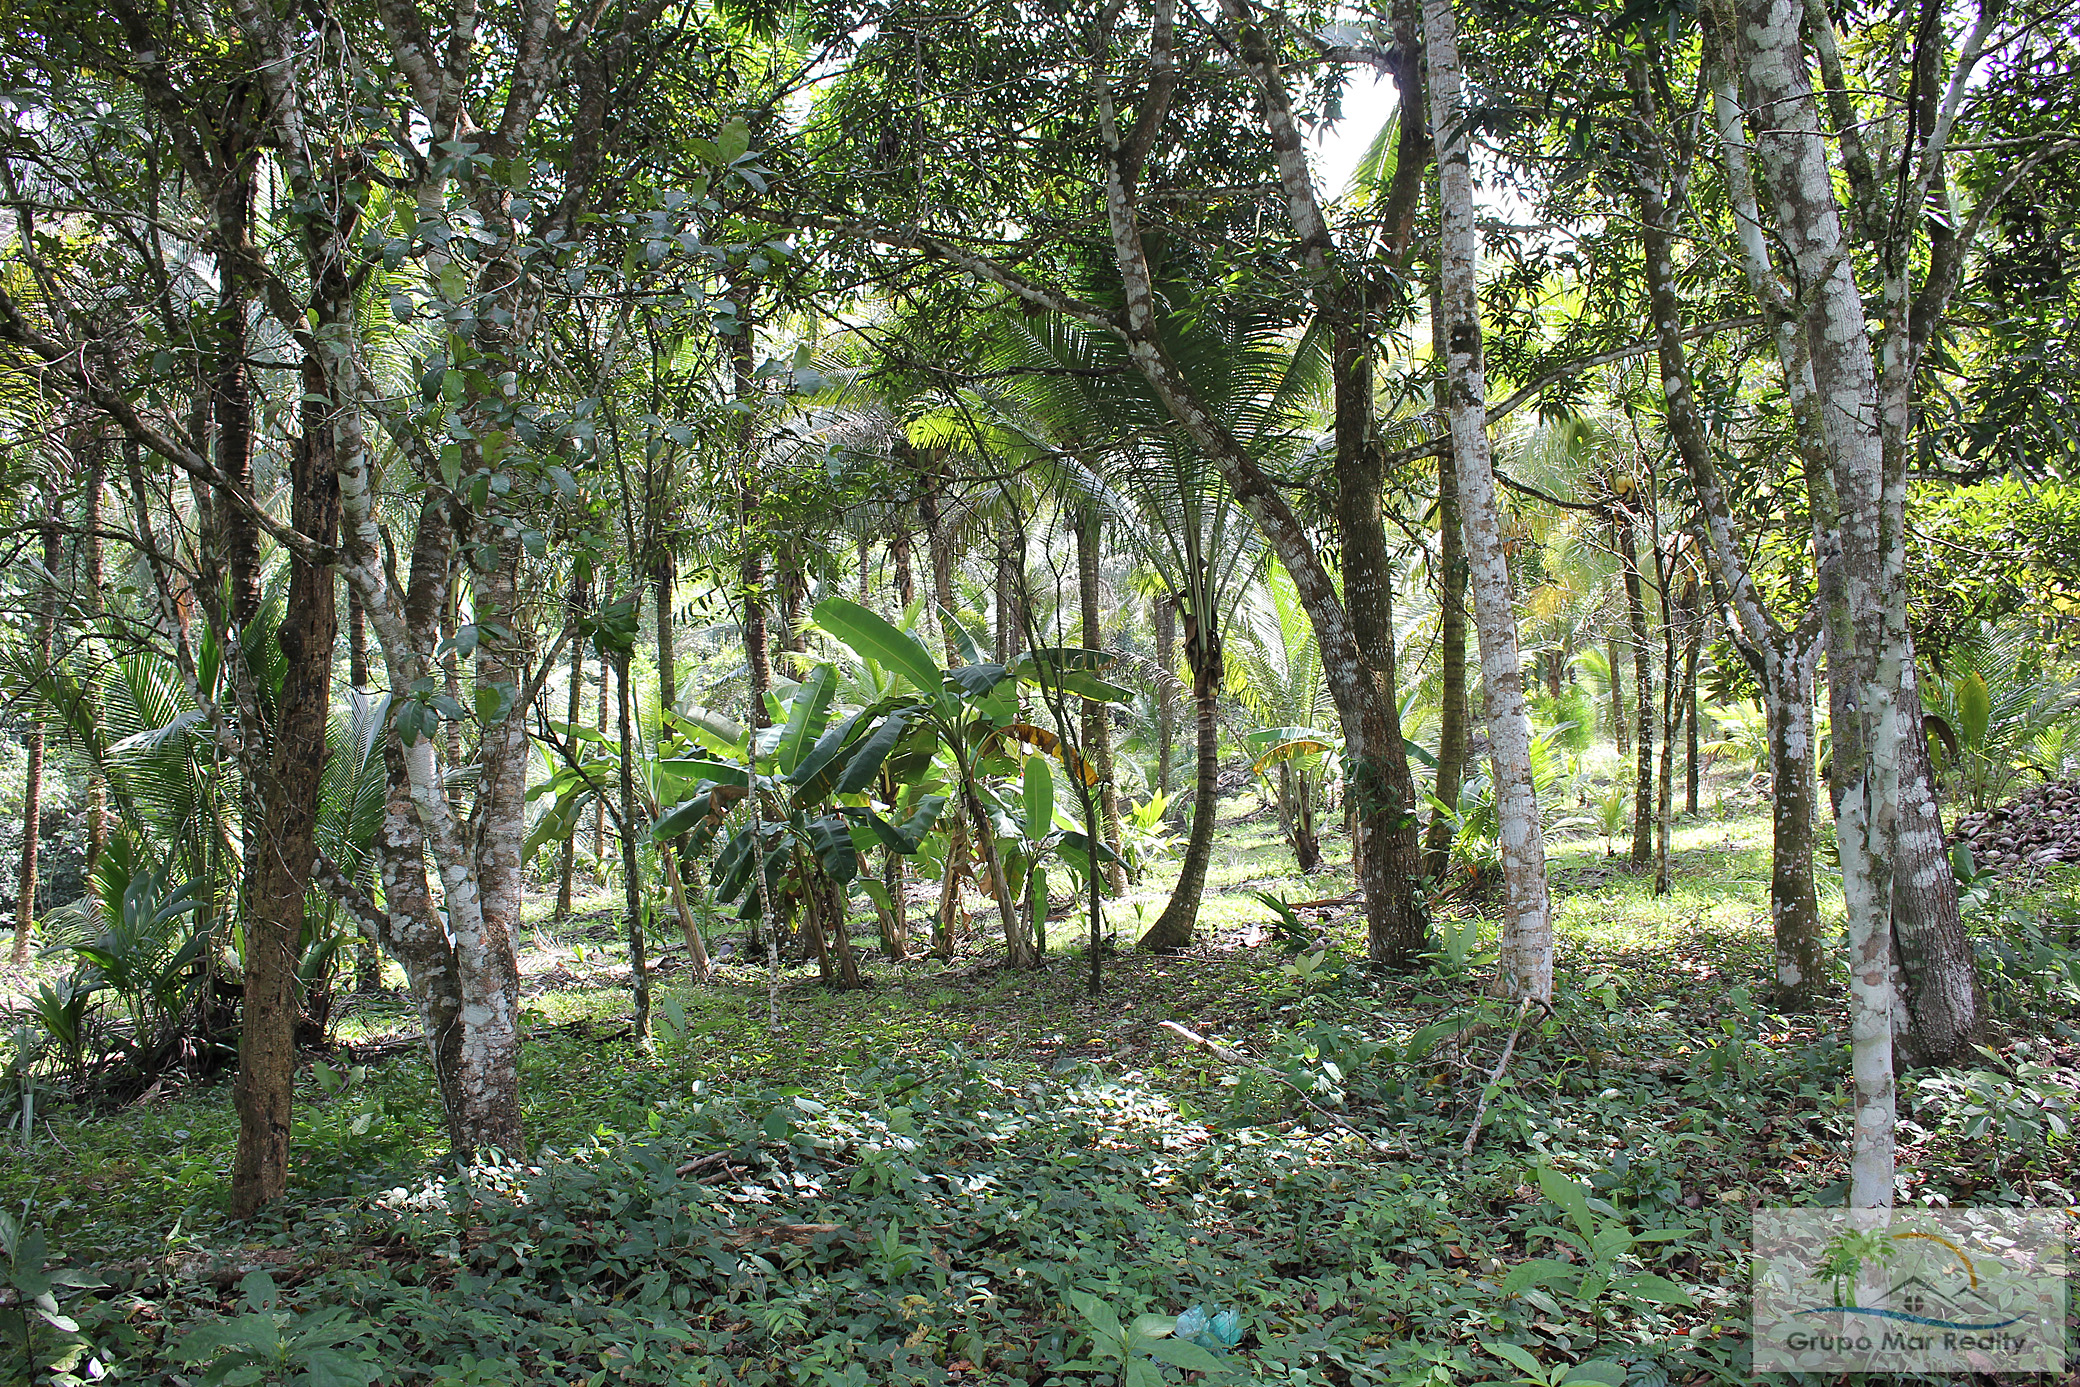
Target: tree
pixel 1527 954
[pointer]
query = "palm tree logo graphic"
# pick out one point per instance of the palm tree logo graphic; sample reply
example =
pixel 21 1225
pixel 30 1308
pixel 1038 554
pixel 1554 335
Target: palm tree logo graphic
pixel 1844 1257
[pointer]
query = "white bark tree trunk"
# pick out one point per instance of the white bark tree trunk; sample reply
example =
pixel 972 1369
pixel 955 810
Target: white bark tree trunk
pixel 1873 655
pixel 1527 943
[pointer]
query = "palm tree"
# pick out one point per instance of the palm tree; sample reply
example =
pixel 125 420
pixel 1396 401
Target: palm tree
pixel 1118 449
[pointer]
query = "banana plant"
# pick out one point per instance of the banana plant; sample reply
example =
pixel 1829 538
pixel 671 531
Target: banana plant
pixel 958 717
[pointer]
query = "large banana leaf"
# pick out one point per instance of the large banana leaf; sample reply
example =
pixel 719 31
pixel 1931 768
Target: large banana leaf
pixel 873 637
pixel 806 716
pixel 1072 670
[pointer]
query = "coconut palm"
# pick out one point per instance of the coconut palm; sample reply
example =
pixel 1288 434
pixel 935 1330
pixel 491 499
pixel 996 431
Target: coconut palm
pixel 1116 447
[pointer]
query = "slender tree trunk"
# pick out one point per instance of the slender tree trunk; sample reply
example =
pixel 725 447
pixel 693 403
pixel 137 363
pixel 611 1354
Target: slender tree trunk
pixel 1690 725
pixel 751 571
pixel 1940 1016
pixel 1672 697
pixel 631 866
pixel 699 965
pixel 357 642
pixel 906 571
pixel 1174 927
pixel 1870 627
pixel 663 574
pixel 1620 732
pixel 1018 947
pixel 1794 908
pixel 280 878
pixel 1783 660
pixel 32 781
pixel 1165 622
pixel 93 601
pixel 941 545
pixel 1007 632
pixel 487 938
pixel 574 708
pixel 1527 948
pixel 1097 722
pixel 368 948
pixel 1643 693
pixel 1385 850
pixel 1451 638
pixel 896 942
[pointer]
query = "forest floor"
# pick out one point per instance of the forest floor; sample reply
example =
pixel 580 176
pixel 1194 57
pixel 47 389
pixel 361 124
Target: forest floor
pixel 961 1174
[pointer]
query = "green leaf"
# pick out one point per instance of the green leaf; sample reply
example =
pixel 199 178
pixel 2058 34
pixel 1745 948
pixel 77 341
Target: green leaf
pixel 831 841
pixel 1071 669
pixel 1570 1196
pixel 1974 710
pixel 711 803
pixel 1425 1040
pixel 1098 1314
pixel 1519 1357
pixel 963 639
pixel 717 732
pixel 1288 751
pixel 1645 1285
pixel 1038 793
pixel 868 756
pixel 1601 1370
pixel 732 141
pixel 873 637
pixel 1539 1272
pixel 977 681
pixel 806 715
pixel 1154 1326
pixel 331 1368
pixel 819 769
pixel 1183 1353
pixel 494 701
pixel 909 837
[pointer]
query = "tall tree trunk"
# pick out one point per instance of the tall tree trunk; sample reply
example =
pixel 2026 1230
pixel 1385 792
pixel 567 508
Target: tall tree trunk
pixel 92 600
pixel 941 545
pixel 899 553
pixel 487 938
pixel 631 866
pixel 1783 659
pixel 1620 732
pixel 1009 573
pixel 663 573
pixel 1385 849
pixel 280 878
pixel 1940 1016
pixel 751 570
pixel 357 641
pixel 1794 908
pixel 1451 638
pixel 1870 651
pixel 1672 696
pixel 1165 622
pixel 1097 722
pixel 1643 694
pixel 1527 945
pixel 32 781
pixel 1690 725
pixel 1174 927
pixel 599 715
pixel 896 942
pixel 699 965
pixel 574 707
